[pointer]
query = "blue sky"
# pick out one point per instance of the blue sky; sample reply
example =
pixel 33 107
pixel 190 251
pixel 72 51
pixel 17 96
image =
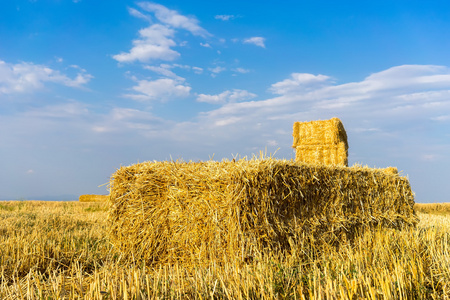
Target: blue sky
pixel 89 86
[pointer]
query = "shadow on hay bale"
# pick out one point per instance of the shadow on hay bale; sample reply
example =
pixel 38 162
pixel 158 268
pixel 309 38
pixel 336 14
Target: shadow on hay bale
pixel 163 212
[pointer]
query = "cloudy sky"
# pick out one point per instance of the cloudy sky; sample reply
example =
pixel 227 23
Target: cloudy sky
pixel 87 86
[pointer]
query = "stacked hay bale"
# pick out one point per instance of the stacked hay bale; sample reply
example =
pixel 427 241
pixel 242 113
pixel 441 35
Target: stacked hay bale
pixel 163 212
pixel 93 198
pixel 321 142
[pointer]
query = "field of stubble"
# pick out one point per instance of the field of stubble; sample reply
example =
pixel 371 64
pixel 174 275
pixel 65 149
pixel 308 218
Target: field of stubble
pixel 60 250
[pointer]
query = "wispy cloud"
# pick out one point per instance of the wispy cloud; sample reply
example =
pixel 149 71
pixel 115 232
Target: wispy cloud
pixel 308 96
pixel 197 70
pixel 206 45
pixel 216 70
pixel 225 17
pixel 174 19
pixel 299 83
pixel 155 43
pixel 26 77
pixel 60 111
pixel 165 70
pixel 429 157
pixel 160 90
pixel 442 118
pixel 241 70
pixel 126 120
pixel 226 97
pixel 135 13
pixel 256 40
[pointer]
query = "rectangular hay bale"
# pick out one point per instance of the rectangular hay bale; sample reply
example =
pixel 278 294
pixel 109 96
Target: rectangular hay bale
pixel 322 154
pixel 163 212
pixel 321 142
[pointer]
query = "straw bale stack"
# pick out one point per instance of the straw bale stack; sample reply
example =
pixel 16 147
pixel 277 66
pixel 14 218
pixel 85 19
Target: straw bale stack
pixel 93 198
pixel 321 142
pixel 163 212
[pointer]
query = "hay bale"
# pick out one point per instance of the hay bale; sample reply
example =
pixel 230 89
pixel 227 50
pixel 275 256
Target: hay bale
pixel 322 154
pixel 391 170
pixel 163 212
pixel 93 198
pixel 321 142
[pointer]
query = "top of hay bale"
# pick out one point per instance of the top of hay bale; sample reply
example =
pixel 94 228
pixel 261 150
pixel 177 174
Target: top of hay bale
pixel 327 132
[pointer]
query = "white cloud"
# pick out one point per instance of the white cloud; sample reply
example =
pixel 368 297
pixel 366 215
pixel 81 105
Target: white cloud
pixel 26 77
pixel 256 40
pixel 442 118
pixel 135 13
pixel 241 70
pixel 129 123
pixel 226 97
pixel 217 70
pixel 365 130
pixel 225 17
pixel 406 75
pixel 174 19
pixel 160 90
pixel 272 143
pixel 299 83
pixel 309 97
pixel 164 70
pixel 429 157
pixel 61 111
pixel 154 43
pixel 227 121
pixel 197 70
pixel 186 67
pixel 206 45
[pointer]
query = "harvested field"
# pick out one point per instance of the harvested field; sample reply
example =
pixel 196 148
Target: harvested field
pixel 60 250
pixel 433 208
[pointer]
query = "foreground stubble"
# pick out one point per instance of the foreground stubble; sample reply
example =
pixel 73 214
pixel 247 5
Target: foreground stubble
pixel 59 250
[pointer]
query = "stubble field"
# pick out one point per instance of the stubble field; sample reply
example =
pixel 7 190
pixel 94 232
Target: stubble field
pixel 60 250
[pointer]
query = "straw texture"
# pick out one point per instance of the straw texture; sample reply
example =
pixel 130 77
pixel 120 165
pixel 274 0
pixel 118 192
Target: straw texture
pixel 93 198
pixel 163 212
pixel 321 142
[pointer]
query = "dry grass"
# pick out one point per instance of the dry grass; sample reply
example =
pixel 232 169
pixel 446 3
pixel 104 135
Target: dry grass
pixel 433 208
pixel 54 250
